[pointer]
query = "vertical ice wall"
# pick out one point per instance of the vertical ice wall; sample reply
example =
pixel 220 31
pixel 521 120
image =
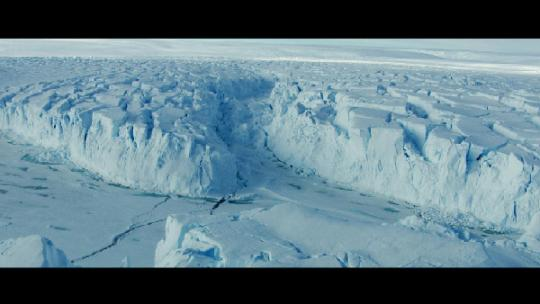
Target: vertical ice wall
pixel 409 145
pixel 151 127
pixel 458 142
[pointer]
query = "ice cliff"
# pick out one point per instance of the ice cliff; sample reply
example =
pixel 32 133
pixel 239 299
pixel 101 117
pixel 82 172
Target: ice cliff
pixel 151 128
pixel 464 143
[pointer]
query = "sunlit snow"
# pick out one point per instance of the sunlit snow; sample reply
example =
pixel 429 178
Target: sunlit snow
pixel 201 153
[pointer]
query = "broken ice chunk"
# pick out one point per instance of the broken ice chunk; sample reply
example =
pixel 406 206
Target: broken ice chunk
pixel 31 251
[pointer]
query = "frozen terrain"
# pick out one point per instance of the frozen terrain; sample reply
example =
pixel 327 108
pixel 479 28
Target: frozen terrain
pixel 31 251
pixel 268 162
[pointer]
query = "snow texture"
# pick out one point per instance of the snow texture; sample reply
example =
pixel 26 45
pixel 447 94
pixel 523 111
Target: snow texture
pixel 31 251
pixel 288 235
pixel 462 143
pixel 151 128
pixel 270 133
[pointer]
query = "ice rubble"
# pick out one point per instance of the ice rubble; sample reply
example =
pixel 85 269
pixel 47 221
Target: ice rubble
pixel 464 143
pixel 187 245
pixel 31 251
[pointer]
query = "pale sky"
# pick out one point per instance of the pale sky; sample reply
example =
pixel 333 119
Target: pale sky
pixel 517 46
pixel 90 47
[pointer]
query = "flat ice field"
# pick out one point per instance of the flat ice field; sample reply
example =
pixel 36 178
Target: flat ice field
pixel 282 162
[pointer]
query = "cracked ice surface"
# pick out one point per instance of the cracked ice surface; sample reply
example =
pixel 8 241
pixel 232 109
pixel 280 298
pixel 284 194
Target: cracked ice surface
pixel 311 163
pixel 291 235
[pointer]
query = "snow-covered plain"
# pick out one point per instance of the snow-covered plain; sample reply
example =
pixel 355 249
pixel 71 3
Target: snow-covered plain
pixel 269 162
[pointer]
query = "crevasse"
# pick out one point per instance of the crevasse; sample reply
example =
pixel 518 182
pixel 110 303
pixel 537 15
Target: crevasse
pixel 452 142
